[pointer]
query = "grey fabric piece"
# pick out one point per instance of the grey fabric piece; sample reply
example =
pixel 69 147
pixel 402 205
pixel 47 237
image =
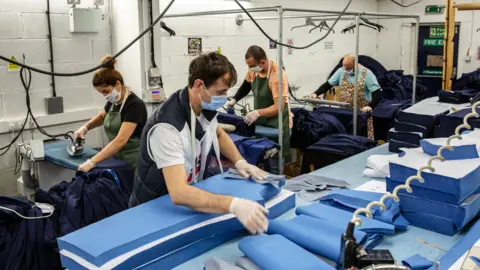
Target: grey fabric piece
pixel 218 264
pixel 296 186
pixel 276 180
pixel 311 196
pixel 312 183
pixel 246 264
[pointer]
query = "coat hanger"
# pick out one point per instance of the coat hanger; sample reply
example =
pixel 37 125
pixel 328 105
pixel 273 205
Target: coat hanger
pixel 353 26
pixel 379 26
pixel 166 28
pixel 323 24
pixel 308 22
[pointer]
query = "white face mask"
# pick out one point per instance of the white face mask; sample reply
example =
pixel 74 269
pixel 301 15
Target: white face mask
pixel 256 69
pixel 113 97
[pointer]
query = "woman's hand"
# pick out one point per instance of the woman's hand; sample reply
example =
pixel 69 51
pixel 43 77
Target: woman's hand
pixel 81 132
pixel 86 166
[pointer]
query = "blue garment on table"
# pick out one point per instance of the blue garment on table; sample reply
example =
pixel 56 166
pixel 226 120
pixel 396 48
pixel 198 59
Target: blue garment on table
pixel 452 97
pixel 459 152
pixel 370 82
pixel 468 80
pixel 275 252
pixel 26 244
pixel 417 262
pixel 476 260
pixel 351 200
pixel 411 122
pixel 241 128
pixel 266 132
pixel 389 109
pixel 345 116
pixel 399 139
pixel 396 85
pixel 343 144
pixel 157 221
pixel 87 199
pixel 252 150
pixel 448 123
pixel 309 127
pixel 315 235
pixel 438 216
pixel 341 218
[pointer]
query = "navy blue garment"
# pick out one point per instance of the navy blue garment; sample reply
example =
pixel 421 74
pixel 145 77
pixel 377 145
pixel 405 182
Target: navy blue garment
pixel 373 65
pixel 87 199
pixel 452 97
pixel 309 127
pixel 343 144
pixel 253 150
pixel 396 85
pixel 447 124
pixel 123 170
pixel 470 92
pixel 468 80
pixel 411 122
pixel 241 128
pixel 26 244
pixel 345 116
pixel 384 116
pixel 403 140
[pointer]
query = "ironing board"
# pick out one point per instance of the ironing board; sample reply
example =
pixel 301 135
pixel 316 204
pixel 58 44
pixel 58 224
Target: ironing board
pixel 266 132
pixel 56 153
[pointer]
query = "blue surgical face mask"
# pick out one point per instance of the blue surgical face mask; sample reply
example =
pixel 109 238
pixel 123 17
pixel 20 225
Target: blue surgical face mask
pixel 216 102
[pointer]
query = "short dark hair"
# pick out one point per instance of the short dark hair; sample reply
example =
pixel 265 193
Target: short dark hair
pixel 209 68
pixel 256 52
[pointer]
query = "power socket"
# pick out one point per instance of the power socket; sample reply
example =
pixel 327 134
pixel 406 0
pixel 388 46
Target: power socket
pixel 54 105
pixel 154 77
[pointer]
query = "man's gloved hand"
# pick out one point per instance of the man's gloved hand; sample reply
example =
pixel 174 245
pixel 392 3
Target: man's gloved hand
pixel 248 170
pixel 86 166
pixel 366 109
pixel 231 102
pixel 251 214
pixel 251 117
pixel 81 132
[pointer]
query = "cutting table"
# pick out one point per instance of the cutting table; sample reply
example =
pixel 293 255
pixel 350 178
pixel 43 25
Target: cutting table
pixel 429 244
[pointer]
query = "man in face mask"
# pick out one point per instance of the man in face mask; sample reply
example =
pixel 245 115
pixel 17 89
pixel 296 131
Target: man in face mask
pixel 369 90
pixel 178 140
pixel 262 78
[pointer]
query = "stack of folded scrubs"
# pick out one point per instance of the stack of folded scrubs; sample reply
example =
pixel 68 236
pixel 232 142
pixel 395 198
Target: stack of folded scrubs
pixel 450 196
pixel 447 124
pixel 161 235
pixel 384 116
pixel 416 123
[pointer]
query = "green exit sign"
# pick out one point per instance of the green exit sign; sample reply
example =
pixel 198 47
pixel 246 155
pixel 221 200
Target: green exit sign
pixel 434 9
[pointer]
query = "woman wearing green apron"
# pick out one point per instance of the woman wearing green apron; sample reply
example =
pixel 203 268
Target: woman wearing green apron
pixel 123 119
pixel 262 79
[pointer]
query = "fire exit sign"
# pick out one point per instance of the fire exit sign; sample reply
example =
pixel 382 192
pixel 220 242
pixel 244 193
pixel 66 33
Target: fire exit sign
pixel 434 9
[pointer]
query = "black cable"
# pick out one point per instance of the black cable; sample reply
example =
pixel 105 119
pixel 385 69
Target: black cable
pixel 52 68
pixel 290 46
pixel 30 68
pixel 405 6
pixel 152 39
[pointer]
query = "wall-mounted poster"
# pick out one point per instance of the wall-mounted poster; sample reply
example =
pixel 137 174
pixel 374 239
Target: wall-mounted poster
pixel 194 45
pixel 272 45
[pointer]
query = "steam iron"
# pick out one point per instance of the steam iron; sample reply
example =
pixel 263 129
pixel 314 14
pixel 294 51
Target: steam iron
pixel 75 148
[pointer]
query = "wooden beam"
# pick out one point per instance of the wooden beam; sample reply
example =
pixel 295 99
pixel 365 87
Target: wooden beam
pixel 448 46
pixel 470 6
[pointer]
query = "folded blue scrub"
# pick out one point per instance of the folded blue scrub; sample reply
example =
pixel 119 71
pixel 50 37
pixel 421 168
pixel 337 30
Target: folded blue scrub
pixel 153 229
pixel 351 200
pixel 341 218
pixel 476 260
pixel 431 146
pixel 417 262
pixel 315 235
pixel 275 252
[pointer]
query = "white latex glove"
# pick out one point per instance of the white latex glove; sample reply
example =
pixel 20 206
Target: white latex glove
pixel 251 117
pixel 251 214
pixel 366 109
pixel 86 166
pixel 231 102
pixel 81 132
pixel 248 170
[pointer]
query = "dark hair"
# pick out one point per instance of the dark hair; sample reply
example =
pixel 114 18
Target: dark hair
pixel 209 68
pixel 256 52
pixel 108 75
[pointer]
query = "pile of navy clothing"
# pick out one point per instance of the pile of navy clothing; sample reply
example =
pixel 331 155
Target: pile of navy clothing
pixel 345 116
pixel 384 116
pixel 257 151
pixel 241 128
pixel 26 244
pixel 447 123
pixel 88 198
pixel 469 80
pixel 395 85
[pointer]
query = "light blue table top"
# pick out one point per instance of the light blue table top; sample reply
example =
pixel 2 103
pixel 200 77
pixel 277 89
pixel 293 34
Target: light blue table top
pixel 401 245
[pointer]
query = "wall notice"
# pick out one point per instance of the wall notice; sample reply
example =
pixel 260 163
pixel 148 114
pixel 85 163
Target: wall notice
pixel 429 42
pixel 194 46
pixel 290 42
pixel 13 67
pixel 437 32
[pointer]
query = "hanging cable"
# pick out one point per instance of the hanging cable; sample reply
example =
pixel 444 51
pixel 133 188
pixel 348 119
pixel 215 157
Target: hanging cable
pixel 290 46
pixel 30 68
pixel 405 6
pixel 152 39
pixel 50 41
pixel 30 218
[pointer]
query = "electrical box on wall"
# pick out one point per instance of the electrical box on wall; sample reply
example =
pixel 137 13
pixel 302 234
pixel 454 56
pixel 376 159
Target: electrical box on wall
pixel 85 20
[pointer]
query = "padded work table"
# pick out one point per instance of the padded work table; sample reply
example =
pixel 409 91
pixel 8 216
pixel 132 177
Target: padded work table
pixel 266 132
pixel 402 245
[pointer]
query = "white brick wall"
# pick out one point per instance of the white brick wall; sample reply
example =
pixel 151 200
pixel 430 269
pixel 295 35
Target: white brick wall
pixel 23 30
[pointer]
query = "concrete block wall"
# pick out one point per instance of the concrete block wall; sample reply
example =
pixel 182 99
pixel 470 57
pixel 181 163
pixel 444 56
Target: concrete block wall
pixel 400 57
pixel 23 30
pixel 307 68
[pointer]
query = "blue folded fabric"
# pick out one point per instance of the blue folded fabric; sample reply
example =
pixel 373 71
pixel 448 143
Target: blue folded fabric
pixel 437 216
pixel 448 123
pixel 266 132
pixel 459 152
pixel 341 218
pixel 241 128
pixel 351 200
pixel 315 235
pixel 417 262
pixel 252 150
pixel 156 221
pixel 476 260
pixel 277 253
pixel 395 146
